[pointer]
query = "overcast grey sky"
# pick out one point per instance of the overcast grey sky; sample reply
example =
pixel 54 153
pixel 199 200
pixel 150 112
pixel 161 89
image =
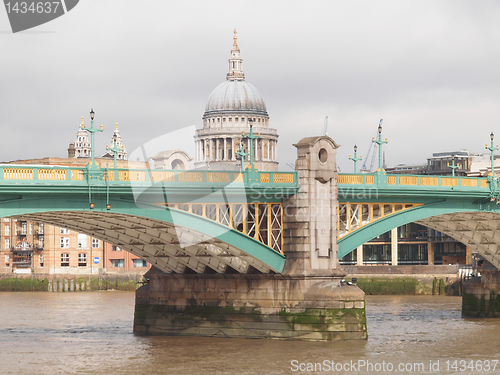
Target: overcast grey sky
pixel 430 69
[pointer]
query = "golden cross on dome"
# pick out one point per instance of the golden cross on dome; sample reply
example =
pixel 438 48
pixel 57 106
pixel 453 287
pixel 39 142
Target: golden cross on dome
pixel 235 38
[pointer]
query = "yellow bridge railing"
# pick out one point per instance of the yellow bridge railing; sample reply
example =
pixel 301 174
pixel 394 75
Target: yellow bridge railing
pixel 409 180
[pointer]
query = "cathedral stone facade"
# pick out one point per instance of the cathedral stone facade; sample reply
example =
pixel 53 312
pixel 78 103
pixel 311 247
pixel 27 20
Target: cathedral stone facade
pixel 232 108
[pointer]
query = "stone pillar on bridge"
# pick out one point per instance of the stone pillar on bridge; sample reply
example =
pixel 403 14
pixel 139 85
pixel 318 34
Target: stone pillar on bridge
pixel 310 216
pixel 307 301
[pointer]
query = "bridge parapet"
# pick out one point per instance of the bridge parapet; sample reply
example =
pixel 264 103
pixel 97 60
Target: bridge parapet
pixel 351 185
pixel 248 202
pixel 20 174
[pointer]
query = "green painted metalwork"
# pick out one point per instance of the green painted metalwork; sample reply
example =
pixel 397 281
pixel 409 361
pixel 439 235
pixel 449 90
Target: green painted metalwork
pixel 242 155
pixel 453 166
pixel 380 142
pixel 114 149
pixel 371 187
pixel 143 193
pixel 251 137
pixel 351 241
pixel 92 130
pixel 438 195
pixel 492 150
pixel 35 203
pixel 355 159
pixel 24 176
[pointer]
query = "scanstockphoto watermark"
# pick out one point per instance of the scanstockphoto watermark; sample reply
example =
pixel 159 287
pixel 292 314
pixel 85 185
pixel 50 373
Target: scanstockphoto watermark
pixel 384 367
pixel 171 151
pixel 349 193
pixel 27 14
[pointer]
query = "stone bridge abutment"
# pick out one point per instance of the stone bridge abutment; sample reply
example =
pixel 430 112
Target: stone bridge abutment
pixel 306 301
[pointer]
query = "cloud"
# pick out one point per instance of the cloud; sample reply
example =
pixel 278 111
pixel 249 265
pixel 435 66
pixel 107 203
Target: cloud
pixel 428 68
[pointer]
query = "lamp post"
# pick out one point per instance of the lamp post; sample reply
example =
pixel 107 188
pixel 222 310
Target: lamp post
pixel 453 166
pixel 251 137
pixel 355 159
pixel 242 154
pixel 114 149
pixel 492 149
pixel 380 142
pixel 92 130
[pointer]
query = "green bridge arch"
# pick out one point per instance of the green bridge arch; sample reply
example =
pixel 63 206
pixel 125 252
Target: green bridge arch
pixel 473 222
pixel 170 239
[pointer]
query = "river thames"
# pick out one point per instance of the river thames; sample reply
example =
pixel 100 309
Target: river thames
pixel 91 333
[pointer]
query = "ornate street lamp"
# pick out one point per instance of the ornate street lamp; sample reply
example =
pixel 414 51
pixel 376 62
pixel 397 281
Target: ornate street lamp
pixel 242 155
pixel 453 166
pixel 355 159
pixel 380 142
pixel 251 137
pixel 492 149
pixel 92 130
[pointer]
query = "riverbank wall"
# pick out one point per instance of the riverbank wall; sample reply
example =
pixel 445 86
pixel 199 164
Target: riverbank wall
pixel 68 283
pixel 409 280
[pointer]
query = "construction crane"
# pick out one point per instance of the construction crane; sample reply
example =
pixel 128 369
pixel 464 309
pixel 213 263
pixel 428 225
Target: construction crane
pixel 373 155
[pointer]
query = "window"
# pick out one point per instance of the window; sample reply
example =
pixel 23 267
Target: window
pixel 82 260
pixel 65 260
pixel 95 243
pixel 140 263
pixel 7 259
pixel 7 230
pixel 41 260
pixel 6 220
pixel 15 229
pixel 31 228
pixel 40 243
pixel 64 231
pixel 40 228
pixel 64 242
pixel 116 248
pixel 118 263
pixel 24 228
pixel 82 241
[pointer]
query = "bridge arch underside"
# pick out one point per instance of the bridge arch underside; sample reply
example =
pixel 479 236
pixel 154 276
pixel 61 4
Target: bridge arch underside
pixel 475 225
pixel 171 240
pixel 478 230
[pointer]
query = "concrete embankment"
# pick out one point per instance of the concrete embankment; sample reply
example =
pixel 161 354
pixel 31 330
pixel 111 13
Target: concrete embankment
pixel 418 280
pixel 68 283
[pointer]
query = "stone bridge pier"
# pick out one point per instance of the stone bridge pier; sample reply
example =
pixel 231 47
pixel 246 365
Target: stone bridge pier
pixel 307 301
pixel 481 295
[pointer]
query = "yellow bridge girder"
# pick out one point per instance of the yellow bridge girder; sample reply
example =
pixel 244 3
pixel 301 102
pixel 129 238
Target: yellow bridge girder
pixel 353 216
pixel 261 221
